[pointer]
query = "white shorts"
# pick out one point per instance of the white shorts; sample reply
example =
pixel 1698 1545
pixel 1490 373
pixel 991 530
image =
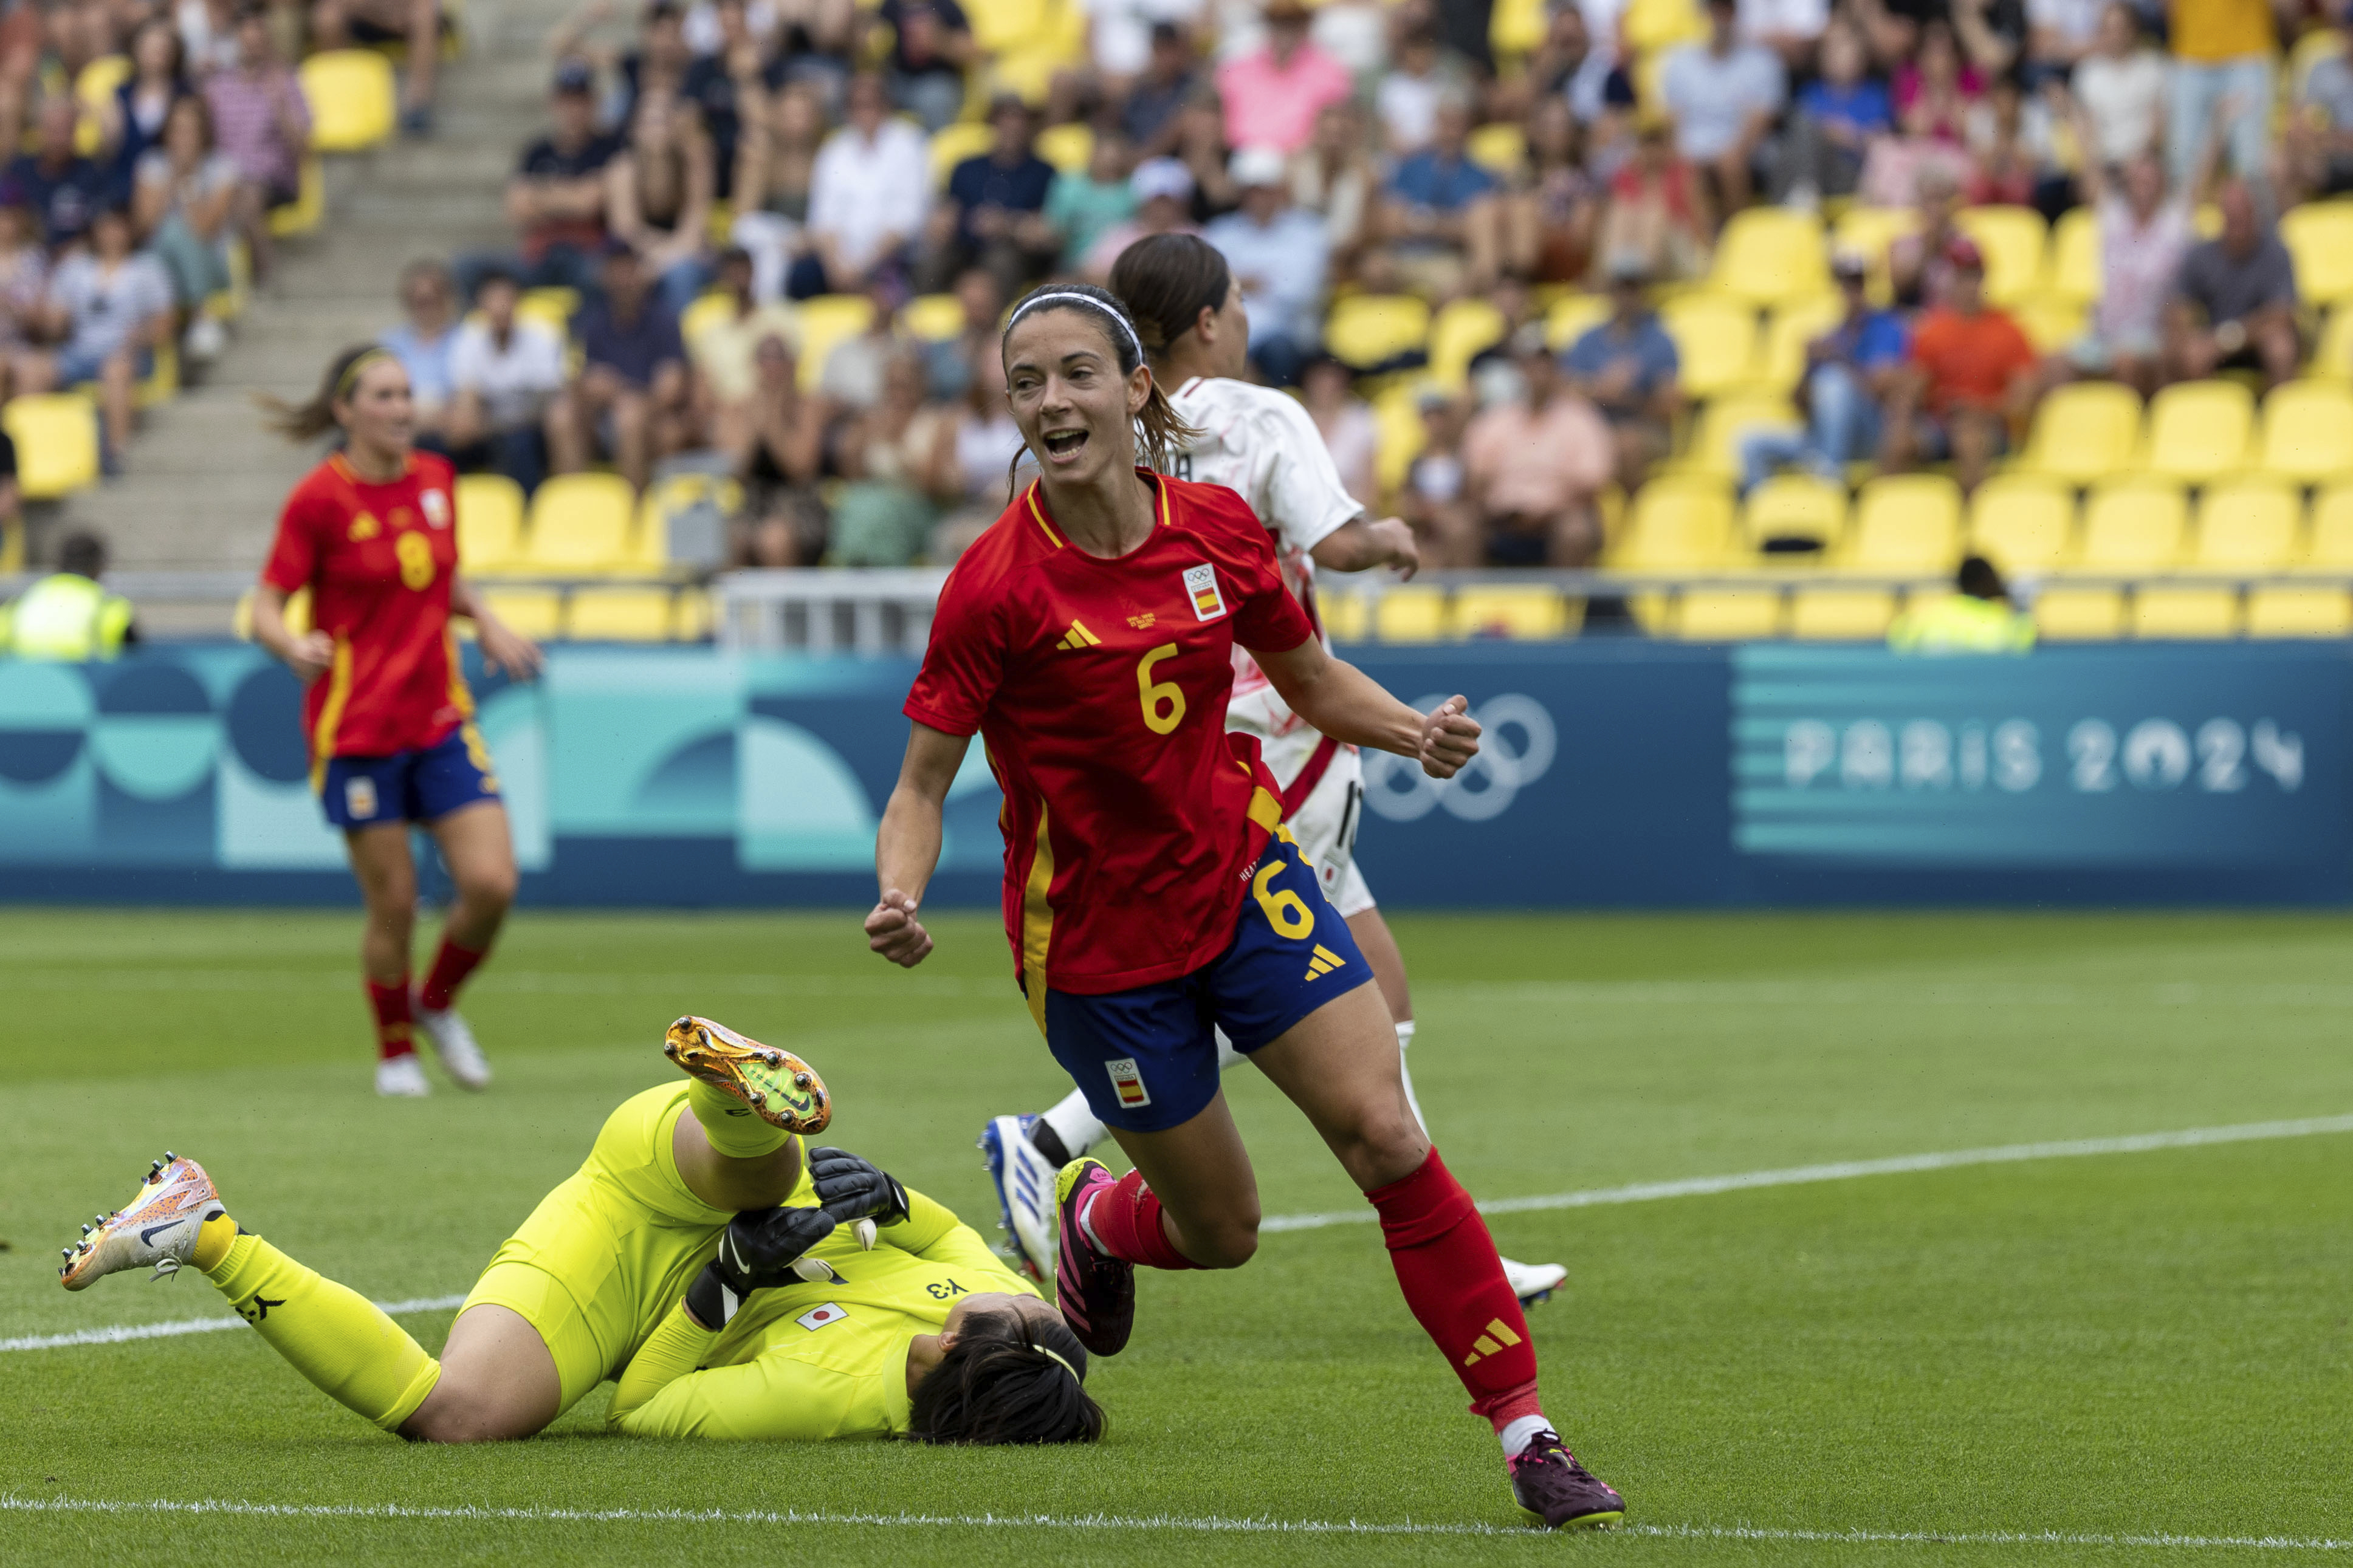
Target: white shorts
pixel 1325 826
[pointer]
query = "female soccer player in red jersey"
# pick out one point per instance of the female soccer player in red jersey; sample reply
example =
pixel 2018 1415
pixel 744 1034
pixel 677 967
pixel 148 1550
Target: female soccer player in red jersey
pixel 1152 895
pixel 372 533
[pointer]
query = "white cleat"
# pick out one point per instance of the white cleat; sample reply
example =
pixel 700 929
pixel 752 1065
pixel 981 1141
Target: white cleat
pixel 400 1078
pixel 1532 1282
pixel 461 1058
pixel 1024 1180
pixel 156 1229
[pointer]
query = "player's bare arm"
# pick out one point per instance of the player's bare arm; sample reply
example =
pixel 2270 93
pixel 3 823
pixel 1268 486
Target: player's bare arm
pixel 1343 702
pixel 1359 545
pixel 307 655
pixel 907 847
pixel 505 648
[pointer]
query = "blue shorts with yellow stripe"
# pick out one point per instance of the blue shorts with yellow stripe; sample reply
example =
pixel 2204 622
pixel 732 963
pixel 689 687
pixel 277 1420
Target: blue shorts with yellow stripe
pixel 1146 1058
pixel 423 784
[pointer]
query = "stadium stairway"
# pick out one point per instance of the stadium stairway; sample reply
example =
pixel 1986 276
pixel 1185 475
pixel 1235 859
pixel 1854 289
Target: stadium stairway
pixel 205 479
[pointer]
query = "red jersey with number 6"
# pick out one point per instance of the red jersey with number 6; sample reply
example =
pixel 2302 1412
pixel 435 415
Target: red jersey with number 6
pixel 378 560
pixel 1131 818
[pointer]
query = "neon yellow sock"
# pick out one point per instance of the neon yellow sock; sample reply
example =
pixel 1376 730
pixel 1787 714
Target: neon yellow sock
pixel 732 1127
pixel 332 1335
pixel 212 1239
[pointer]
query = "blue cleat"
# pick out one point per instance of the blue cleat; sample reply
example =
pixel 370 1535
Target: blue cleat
pixel 1024 1181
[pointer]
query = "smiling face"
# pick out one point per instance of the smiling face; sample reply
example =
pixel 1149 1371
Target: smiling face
pixel 378 414
pixel 1074 408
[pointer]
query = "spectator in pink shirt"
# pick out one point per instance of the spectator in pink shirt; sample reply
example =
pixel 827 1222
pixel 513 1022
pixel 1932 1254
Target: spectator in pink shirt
pixel 1274 94
pixel 1535 465
pixel 262 125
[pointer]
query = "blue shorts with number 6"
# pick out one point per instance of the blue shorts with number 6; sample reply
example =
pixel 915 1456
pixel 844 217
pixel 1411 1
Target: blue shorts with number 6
pixel 1148 1058
pixel 425 784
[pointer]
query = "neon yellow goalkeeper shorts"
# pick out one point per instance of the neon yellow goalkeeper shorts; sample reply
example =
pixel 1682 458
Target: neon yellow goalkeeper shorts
pixel 607 1254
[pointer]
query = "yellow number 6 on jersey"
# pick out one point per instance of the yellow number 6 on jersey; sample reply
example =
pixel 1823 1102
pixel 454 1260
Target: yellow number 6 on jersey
pixel 1153 694
pixel 1286 911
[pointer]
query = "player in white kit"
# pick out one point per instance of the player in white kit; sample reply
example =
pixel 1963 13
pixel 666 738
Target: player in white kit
pixel 1260 443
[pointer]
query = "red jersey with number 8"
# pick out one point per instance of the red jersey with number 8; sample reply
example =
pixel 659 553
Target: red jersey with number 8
pixel 1131 818
pixel 378 560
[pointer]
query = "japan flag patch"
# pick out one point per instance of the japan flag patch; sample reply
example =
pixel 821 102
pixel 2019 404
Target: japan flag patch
pixel 1127 1079
pixel 1201 587
pixel 816 1318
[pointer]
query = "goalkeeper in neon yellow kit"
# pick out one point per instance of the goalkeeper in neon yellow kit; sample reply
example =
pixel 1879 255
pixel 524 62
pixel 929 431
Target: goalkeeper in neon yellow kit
pixel 696 1258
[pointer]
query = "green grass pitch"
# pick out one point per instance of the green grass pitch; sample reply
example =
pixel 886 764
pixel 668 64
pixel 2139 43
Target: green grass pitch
pixel 2123 1347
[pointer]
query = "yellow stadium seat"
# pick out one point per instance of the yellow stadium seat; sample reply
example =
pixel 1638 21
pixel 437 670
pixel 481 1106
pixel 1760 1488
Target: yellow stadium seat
pixel 1501 610
pixel 1789 331
pixel 2293 612
pixel 1907 522
pixel 2308 431
pixel 553 307
pixel 1678 524
pixel 55 435
pixel 163 383
pixel 95 84
pixel 1841 614
pixel 1715 338
pixel 1366 332
pixel 536 613
pixel 690 616
pixel 1500 149
pixel 2051 321
pixel 1396 414
pixel 1070 148
pixel 309 208
pixel 1414 611
pixel 2315 45
pixel 2079 615
pixel 649 543
pixel 2330 548
pixel 2013 239
pixel 1728 614
pixel 1001 24
pixel 1793 510
pixel 353 104
pixel 1516 27
pixel 825 321
pixel 1649 25
pixel 2199 430
pixel 2319 235
pixel 1463 329
pixel 2332 356
pixel 1574 315
pixel 1347 616
pixel 2074 266
pixel 2134 525
pixel 2166 612
pixel 2248 525
pixel 618 615
pixel 952 145
pixel 2083 431
pixel 580 523
pixel 2022 522
pixel 1770 256
pixel 1871 230
pixel 932 318
pixel 490 524
pixel 1724 423
pixel 712 309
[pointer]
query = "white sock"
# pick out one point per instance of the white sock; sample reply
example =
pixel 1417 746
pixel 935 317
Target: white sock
pixel 1075 1125
pixel 1405 1038
pixel 1517 1434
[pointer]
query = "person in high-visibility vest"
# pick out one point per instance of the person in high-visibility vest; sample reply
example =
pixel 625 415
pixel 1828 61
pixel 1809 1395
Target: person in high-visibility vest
pixel 67 616
pixel 1979 618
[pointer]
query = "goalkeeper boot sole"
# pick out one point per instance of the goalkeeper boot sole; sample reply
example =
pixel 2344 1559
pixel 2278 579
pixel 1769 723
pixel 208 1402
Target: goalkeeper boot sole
pixel 1024 1180
pixel 782 1090
pixel 156 1229
pixel 1095 1290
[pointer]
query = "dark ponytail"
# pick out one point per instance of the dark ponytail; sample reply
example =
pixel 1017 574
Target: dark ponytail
pixel 1166 280
pixel 1006 1379
pixel 1161 437
pixel 309 421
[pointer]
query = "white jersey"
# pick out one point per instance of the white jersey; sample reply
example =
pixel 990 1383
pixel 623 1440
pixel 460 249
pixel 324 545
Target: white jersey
pixel 1262 446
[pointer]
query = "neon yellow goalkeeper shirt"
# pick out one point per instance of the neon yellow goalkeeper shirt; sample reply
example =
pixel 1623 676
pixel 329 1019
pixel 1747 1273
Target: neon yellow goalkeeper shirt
pixel 813 1362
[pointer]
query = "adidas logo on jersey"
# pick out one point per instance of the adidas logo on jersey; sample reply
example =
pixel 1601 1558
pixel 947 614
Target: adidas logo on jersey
pixel 1323 961
pixel 1079 636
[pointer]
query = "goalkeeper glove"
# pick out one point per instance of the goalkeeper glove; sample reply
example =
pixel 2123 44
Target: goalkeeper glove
pixel 853 1189
pixel 760 1249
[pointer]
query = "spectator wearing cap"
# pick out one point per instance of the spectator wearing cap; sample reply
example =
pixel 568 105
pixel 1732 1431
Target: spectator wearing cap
pixel 1626 368
pixel 994 216
pixel 1534 464
pixel 632 395
pixel 2144 235
pixel 1723 96
pixel 1274 94
pixel 262 121
pixel 723 351
pixel 1851 372
pixel 1083 205
pixel 1278 253
pixel 1163 189
pixel 556 197
pixel 1172 77
pixel 931 48
pixel 1442 213
pixel 423 345
pixel 868 193
pixel 64 189
pixel 1971 378
pixel 505 373
pixel 658 193
pixel 2235 301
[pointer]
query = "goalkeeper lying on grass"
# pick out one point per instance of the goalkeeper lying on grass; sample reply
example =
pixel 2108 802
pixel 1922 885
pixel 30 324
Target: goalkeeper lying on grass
pixel 666 1261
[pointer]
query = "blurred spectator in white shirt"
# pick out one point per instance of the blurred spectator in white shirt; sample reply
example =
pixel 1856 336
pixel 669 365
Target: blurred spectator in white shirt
pixel 868 194
pixel 504 371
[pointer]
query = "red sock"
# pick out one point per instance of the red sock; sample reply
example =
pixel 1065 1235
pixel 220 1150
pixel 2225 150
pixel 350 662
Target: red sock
pixel 450 967
pixel 1126 1220
pixel 1447 1267
pixel 390 1005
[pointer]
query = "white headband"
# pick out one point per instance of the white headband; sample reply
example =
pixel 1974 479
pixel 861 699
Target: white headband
pixel 1034 1344
pixel 1117 319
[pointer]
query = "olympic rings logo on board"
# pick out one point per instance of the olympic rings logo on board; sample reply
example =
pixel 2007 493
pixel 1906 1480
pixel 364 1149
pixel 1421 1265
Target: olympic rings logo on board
pixel 1516 751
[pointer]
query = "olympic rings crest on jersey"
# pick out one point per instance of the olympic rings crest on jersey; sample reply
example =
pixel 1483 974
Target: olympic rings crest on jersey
pixel 1516 750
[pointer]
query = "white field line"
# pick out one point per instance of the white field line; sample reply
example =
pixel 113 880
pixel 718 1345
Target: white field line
pixel 1210 1524
pixel 1640 1191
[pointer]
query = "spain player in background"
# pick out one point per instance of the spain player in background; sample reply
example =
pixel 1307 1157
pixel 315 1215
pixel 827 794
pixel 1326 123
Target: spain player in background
pixel 1261 445
pixel 372 533
pixel 694 1257
pixel 1152 894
